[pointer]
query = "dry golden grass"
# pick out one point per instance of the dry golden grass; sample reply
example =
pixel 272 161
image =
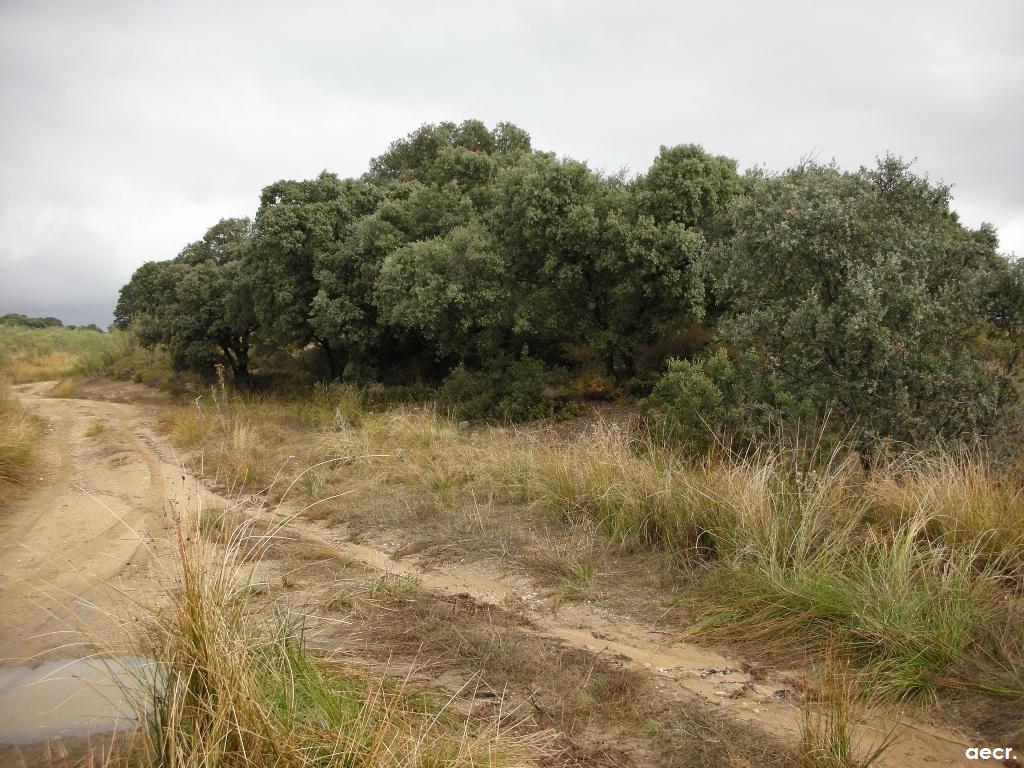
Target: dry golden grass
pixel 45 366
pixel 236 687
pixel 234 448
pixel 572 561
pixel 65 388
pixel 911 567
pixel 830 736
pixel 35 354
pixel 966 503
pixel 19 435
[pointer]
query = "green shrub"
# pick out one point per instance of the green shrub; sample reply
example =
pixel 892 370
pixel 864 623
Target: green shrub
pixel 522 391
pixel 864 293
pixel 719 397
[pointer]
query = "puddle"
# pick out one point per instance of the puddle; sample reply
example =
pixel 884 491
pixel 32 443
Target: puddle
pixel 69 697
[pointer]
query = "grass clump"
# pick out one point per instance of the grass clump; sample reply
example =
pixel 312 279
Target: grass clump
pixel 236 688
pixel 830 733
pixel 232 440
pixel 570 562
pixel 19 436
pixel 908 567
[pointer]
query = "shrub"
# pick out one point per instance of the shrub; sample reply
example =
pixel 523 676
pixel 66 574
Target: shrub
pixel 719 398
pixel 864 293
pixel 524 390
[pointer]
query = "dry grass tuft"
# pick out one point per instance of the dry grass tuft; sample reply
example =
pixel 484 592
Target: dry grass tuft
pixel 19 435
pixel 830 733
pixel 65 388
pixel 236 688
pixel 571 561
pixel 968 506
pixel 234 446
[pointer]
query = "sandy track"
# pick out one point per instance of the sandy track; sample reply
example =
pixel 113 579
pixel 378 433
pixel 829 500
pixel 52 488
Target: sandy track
pixel 83 542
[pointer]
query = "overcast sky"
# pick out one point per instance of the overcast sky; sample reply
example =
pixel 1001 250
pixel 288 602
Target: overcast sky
pixel 129 128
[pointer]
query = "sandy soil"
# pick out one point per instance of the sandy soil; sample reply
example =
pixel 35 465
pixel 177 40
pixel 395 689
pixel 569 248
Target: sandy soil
pixel 94 536
pixel 88 532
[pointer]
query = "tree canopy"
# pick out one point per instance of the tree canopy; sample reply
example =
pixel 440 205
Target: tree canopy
pixel 465 254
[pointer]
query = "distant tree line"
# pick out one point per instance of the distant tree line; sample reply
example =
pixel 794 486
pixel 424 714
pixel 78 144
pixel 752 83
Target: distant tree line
pixel 514 280
pixel 24 321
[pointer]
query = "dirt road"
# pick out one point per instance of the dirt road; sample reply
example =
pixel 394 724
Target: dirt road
pixel 95 535
pixel 85 539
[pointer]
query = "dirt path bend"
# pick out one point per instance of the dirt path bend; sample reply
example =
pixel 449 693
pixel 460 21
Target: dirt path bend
pixel 88 538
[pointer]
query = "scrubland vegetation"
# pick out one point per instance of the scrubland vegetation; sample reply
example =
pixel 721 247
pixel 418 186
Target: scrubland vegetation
pixel 34 354
pixel 515 283
pixel 793 397
pixel 813 374
pixel 909 567
pixel 235 688
pixel 40 353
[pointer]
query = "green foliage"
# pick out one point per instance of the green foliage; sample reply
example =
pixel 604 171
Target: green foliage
pixel 345 312
pixel 719 397
pixel 467 155
pixel 853 296
pixel 297 227
pixel 862 292
pixel 198 305
pixel 521 391
pixel 13 318
pixel 688 186
pixel 451 290
pixel 127 359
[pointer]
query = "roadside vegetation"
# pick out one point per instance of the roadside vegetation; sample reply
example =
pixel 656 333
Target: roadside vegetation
pixel 41 353
pixel 908 568
pixel 235 687
pixel 53 352
pixel 19 435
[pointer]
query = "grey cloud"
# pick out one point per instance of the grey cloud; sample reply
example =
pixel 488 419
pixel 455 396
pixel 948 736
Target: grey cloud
pixel 129 127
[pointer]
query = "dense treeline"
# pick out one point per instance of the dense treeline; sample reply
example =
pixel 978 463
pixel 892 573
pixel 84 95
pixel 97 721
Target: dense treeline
pixel 24 321
pixel 514 279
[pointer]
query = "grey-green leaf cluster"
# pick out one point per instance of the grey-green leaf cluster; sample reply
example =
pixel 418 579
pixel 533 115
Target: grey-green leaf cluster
pixel 727 301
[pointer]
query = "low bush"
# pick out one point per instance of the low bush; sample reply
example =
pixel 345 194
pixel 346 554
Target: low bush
pixel 521 391
pixel 721 399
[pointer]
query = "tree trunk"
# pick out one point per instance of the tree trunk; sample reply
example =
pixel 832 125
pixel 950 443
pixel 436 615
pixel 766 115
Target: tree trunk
pixel 332 364
pixel 243 379
pixel 237 356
